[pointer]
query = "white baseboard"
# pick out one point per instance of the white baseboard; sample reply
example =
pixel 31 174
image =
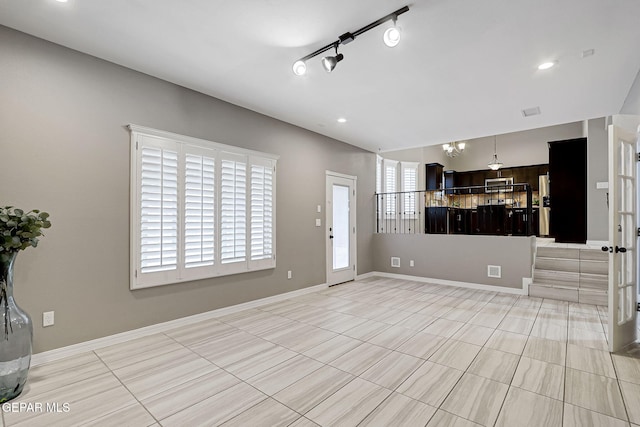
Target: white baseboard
pixel 366 275
pixel 72 350
pixel 492 288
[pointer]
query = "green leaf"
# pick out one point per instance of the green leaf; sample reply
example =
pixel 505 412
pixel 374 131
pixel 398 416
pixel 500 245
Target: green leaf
pixel 19 230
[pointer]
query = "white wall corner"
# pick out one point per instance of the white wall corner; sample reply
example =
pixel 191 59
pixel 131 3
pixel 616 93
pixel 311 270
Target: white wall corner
pixel 526 281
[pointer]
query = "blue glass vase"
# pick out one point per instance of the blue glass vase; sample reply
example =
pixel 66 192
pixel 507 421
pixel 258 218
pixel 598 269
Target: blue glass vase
pixel 16 335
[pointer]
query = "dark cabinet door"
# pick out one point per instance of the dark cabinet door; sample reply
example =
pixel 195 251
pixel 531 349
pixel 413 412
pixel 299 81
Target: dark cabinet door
pixel 436 220
pixel 434 176
pixel 518 222
pixel 458 221
pixel 477 180
pixel 491 219
pixel 568 190
pixel 463 179
pixel 449 181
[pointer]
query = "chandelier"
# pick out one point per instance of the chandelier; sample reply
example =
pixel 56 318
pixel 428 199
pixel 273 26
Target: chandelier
pixel 454 148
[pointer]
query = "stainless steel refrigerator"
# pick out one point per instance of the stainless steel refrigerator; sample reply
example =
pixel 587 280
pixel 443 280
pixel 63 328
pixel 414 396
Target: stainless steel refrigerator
pixel 545 204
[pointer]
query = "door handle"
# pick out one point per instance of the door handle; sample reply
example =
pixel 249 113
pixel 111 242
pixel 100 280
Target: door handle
pixel 607 249
pixel 622 250
pixel 331 236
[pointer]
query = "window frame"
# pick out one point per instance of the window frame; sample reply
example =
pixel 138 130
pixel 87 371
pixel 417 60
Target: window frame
pixel 140 137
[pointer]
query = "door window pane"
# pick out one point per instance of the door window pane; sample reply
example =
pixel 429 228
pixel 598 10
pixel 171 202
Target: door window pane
pixel 340 227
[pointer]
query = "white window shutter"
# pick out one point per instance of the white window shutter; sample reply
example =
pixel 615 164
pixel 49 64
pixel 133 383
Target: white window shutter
pixel 158 209
pixel 233 211
pixel 199 210
pixel 390 186
pixel 262 215
pixel 409 184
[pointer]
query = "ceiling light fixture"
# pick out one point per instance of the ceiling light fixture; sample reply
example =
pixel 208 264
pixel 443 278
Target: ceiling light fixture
pixel 454 148
pixel 495 164
pixel 330 62
pixel 391 36
pixel 342 120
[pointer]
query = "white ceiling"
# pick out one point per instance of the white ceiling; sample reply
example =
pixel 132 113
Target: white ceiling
pixel 464 68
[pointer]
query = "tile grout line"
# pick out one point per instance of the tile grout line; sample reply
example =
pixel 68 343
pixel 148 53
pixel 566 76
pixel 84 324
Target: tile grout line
pixel 124 385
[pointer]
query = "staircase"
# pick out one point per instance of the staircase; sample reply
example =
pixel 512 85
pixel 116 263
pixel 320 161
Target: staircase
pixel 577 275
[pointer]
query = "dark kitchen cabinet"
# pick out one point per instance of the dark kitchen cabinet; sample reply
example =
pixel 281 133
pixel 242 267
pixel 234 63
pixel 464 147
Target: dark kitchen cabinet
pixel 462 179
pixel 491 219
pixel 450 181
pixel 568 190
pixel 519 220
pixel 436 220
pixel 434 176
pixel 477 180
pixel 459 221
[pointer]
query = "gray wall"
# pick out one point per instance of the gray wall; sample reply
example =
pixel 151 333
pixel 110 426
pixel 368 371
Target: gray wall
pixel 597 171
pixel 632 103
pixel 516 148
pixel 65 150
pixel 456 257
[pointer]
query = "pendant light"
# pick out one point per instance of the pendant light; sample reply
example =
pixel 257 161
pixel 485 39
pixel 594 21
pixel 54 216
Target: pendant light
pixel 495 164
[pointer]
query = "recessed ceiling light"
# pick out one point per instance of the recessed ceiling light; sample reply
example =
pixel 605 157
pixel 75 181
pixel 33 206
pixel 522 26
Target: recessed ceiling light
pixel 62 1
pixel 546 65
pixel 342 120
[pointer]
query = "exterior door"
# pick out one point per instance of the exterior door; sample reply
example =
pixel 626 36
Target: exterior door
pixel 623 285
pixel 341 228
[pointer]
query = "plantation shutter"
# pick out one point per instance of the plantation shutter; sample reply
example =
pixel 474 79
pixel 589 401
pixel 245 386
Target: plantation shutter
pixel 233 209
pixel 199 205
pixel 262 214
pixel 409 184
pixel 390 186
pixel 199 209
pixel 158 209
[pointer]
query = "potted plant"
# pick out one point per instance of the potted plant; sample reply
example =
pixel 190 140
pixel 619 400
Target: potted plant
pixel 18 231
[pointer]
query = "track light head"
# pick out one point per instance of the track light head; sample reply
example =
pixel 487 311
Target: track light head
pixel 391 36
pixel 330 62
pixel 299 68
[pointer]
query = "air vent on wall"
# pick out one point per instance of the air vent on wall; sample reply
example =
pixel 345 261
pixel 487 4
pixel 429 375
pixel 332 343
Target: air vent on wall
pixel 395 261
pixel 533 111
pixel 494 271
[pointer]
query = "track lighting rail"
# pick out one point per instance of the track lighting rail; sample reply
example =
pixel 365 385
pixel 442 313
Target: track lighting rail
pixel 350 36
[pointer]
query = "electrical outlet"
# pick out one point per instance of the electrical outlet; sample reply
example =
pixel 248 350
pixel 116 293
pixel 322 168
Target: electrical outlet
pixel 289 275
pixel 47 318
pixel 411 263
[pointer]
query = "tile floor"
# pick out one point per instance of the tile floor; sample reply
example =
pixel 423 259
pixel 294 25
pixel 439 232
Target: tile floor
pixel 378 352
